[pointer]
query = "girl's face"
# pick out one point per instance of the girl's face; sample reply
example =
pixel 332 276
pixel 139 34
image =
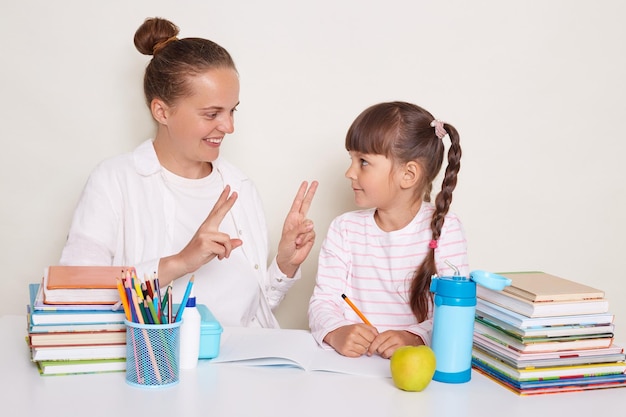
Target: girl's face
pixel 374 180
pixel 192 129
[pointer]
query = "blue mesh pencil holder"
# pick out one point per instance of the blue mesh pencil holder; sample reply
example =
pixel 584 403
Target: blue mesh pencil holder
pixel 152 354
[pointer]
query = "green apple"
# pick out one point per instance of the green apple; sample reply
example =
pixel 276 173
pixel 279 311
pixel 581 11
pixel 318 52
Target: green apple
pixel 412 367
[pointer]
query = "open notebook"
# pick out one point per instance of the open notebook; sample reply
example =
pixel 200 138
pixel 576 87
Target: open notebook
pixel 294 348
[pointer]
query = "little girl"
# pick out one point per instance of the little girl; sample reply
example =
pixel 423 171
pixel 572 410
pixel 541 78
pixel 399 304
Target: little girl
pixel 383 256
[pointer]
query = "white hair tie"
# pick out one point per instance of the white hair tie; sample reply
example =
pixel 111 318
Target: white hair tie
pixel 440 131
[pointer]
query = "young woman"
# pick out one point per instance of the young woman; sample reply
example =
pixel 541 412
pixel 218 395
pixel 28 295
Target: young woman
pixel 175 208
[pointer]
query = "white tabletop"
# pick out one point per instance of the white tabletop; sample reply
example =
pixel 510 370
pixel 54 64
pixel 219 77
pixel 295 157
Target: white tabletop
pixel 238 390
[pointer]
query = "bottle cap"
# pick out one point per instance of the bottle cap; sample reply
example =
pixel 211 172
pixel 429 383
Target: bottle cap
pixel 456 287
pixel 490 280
pixel 191 302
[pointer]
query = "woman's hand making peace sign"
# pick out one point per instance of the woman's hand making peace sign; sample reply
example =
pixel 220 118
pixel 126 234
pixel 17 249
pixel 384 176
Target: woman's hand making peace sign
pixel 205 245
pixel 208 242
pixel 298 235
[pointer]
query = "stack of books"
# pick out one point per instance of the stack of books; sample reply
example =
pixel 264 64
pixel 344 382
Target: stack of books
pixel 546 334
pixel 74 325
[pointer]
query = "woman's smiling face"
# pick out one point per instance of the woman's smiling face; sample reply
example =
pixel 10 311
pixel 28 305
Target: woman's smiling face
pixel 193 127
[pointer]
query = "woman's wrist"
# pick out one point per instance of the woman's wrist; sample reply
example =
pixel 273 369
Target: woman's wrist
pixel 170 268
pixel 286 268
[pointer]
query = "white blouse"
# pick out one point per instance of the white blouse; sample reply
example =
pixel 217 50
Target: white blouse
pixel 132 212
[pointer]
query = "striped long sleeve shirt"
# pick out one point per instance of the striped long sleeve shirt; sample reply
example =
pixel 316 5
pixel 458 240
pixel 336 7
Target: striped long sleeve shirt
pixel 375 268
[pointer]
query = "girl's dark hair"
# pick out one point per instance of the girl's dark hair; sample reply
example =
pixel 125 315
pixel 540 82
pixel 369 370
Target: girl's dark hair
pixel 175 60
pixel 402 132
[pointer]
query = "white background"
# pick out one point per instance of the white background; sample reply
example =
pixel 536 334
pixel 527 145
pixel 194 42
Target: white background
pixel 536 90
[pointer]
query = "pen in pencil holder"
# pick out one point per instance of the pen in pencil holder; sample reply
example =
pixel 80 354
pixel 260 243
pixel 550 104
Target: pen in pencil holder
pixel 152 354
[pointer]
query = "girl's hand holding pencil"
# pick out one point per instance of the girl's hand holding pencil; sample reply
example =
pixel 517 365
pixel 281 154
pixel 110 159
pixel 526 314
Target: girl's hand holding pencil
pixel 352 340
pixel 364 339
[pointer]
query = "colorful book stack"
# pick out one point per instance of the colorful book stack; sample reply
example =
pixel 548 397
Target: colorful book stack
pixel 546 334
pixel 73 324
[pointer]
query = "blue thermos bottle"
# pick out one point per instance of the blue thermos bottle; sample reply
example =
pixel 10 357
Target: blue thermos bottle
pixel 453 322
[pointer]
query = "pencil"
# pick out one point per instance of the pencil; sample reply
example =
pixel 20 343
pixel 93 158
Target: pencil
pixel 183 303
pixel 169 303
pixel 146 310
pixel 153 313
pixel 356 310
pixel 164 302
pixel 122 291
pixel 134 343
pixel 148 282
pixel 128 283
pixel 137 286
pixel 157 298
pixel 157 285
pixel 135 301
pixel 131 307
pixel 139 307
pixel 146 337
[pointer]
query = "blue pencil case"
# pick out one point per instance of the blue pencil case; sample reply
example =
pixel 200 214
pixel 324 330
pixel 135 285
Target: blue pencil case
pixel 210 333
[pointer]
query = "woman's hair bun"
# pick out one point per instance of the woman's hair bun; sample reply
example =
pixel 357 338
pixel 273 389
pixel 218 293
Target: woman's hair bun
pixel 153 34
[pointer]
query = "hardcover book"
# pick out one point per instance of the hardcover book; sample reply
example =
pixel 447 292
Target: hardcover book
pixel 87 366
pixel 64 284
pixel 40 305
pixel 545 359
pixel 485 332
pixel 78 338
pixel 555 372
pixel 72 327
pixel 519 320
pixel 65 317
pixel 545 308
pixel 539 286
pixel 66 353
pixel 547 332
pixel 551 385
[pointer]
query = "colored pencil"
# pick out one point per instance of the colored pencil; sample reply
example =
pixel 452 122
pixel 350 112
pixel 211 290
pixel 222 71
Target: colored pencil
pixel 146 339
pixel 157 298
pixel 169 304
pixel 164 302
pixel 356 310
pixel 131 306
pixel 146 309
pixel 122 291
pixel 183 303
pixel 137 286
pixel 149 287
pixel 153 313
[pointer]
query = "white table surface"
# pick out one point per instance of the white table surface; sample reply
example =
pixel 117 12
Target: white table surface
pixel 238 390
